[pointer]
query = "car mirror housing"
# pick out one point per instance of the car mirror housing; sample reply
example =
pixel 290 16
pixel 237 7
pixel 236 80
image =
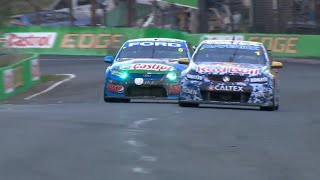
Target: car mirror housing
pixel 276 65
pixel 183 61
pixel 108 59
pixel 194 48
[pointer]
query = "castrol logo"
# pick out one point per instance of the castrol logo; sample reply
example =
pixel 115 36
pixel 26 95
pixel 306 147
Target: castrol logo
pixel 30 40
pixel 153 67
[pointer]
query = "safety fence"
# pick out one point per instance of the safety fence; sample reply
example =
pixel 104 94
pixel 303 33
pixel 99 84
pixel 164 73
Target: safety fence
pixel 17 78
pixel 107 41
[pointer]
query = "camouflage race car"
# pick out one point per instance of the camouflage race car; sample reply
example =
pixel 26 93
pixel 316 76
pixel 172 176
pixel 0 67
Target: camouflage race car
pixel 146 68
pixel 231 73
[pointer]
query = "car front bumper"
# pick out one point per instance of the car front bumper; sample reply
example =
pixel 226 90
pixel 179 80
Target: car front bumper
pixel 202 93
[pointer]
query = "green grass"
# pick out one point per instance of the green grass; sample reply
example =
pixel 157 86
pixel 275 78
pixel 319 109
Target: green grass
pixel 51 77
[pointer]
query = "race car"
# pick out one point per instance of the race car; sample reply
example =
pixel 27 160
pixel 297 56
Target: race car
pixel 146 68
pixel 231 73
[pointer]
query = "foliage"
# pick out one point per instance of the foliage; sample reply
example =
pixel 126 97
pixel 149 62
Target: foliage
pixel 14 7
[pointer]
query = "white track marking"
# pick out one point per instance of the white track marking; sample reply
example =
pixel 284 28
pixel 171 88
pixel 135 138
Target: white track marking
pixel 134 143
pixel 71 76
pixel 140 170
pixel 136 124
pixel 148 158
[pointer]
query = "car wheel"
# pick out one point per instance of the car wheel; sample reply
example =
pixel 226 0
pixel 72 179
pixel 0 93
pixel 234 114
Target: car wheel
pixel 125 100
pixel 108 99
pixel 182 104
pixel 269 108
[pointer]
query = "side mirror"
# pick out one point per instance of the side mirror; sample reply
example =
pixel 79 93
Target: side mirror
pixel 108 59
pixel 183 61
pixel 269 51
pixel 194 48
pixel 276 65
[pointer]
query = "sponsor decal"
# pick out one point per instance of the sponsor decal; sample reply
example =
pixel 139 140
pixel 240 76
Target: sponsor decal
pixel 31 40
pixel 195 77
pixel 211 88
pixel 18 76
pixel 146 75
pixel 150 43
pixel 149 82
pixel 221 37
pixel 279 44
pixel 175 89
pixel 91 41
pixel 154 67
pixel 35 70
pixel 255 80
pixel 8 80
pixel 115 88
pixel 189 91
pixel 221 69
pixel 116 73
pixel 232 46
pixel 3 40
pixel 226 88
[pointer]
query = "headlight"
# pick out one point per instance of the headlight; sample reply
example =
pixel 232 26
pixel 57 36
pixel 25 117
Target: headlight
pixel 259 80
pixel 121 74
pixel 195 77
pixel 172 76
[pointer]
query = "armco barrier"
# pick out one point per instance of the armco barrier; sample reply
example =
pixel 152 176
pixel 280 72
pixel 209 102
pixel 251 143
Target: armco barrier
pixel 18 77
pixel 106 41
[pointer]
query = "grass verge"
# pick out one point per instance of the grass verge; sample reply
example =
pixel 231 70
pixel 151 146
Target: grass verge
pixel 52 77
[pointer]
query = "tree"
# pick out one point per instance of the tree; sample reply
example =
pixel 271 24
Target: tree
pixel 93 12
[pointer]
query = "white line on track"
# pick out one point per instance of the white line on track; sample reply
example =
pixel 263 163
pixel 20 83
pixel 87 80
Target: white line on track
pixel 134 143
pixel 140 170
pixel 136 124
pixel 71 76
pixel 148 158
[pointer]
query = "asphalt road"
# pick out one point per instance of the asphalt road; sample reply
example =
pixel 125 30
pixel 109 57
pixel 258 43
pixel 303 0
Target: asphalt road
pixel 69 133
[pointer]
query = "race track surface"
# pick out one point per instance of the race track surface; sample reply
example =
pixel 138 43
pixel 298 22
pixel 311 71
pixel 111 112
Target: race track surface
pixel 69 133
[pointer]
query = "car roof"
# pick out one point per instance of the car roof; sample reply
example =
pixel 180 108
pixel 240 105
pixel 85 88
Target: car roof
pixel 157 39
pixel 239 42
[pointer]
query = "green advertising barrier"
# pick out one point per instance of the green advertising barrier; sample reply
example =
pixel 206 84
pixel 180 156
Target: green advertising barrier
pixel 289 45
pixel 96 41
pixel 189 3
pixel 19 77
pixel 75 40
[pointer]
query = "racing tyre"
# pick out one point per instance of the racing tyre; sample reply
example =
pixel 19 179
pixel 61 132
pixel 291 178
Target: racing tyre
pixel 182 104
pixel 108 99
pixel 269 108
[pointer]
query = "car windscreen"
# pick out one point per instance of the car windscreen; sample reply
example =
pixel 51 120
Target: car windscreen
pixel 151 49
pixel 230 53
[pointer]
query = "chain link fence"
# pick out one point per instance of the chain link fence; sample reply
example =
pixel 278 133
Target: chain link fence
pixel 237 16
pixel 209 16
